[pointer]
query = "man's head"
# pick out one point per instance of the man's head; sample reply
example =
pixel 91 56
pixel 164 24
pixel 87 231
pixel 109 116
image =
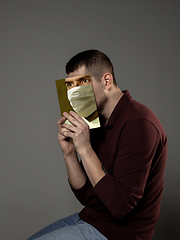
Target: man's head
pixel 100 69
pixel 95 63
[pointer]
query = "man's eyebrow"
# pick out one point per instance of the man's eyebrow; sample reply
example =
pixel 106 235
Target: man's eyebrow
pixel 83 77
pixel 69 81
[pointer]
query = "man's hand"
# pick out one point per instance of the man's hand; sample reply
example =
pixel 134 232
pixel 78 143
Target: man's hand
pixel 78 131
pixel 65 142
pixel 76 174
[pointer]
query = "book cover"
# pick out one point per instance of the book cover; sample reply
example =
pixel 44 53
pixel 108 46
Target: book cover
pixel 76 94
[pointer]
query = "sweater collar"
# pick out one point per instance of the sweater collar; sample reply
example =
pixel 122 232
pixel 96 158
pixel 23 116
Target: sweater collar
pixel 118 109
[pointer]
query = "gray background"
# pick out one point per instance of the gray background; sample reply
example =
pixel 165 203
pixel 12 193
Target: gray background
pixel 37 39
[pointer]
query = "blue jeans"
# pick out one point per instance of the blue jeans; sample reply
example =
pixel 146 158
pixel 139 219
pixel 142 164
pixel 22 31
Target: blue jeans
pixel 71 228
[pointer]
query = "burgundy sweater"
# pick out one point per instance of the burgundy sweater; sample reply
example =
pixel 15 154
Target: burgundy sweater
pixel 132 147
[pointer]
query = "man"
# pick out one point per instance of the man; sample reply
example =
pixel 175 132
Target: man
pixel 119 178
pixel 81 97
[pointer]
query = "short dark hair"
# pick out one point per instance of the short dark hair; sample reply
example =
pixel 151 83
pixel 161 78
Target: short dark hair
pixel 95 62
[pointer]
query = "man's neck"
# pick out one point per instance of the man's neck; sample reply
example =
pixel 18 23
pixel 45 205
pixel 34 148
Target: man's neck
pixel 113 99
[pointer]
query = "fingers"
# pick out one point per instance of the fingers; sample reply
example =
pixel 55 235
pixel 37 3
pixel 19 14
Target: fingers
pixel 61 132
pixel 68 127
pixel 66 130
pixel 62 135
pixel 68 134
pixel 74 118
pixel 60 121
pixel 70 118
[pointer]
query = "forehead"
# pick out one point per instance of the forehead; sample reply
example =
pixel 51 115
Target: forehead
pixel 77 78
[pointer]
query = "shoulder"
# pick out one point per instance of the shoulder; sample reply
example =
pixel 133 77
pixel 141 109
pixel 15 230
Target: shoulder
pixel 139 114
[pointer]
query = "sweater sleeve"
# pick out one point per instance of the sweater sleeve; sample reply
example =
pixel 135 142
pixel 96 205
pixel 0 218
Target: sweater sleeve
pixel 82 193
pixel 121 190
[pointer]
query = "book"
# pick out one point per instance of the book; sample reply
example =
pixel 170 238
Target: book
pixel 76 94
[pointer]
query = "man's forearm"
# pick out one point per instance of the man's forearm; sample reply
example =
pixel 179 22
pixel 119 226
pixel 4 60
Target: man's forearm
pixel 92 166
pixel 76 174
pixel 80 135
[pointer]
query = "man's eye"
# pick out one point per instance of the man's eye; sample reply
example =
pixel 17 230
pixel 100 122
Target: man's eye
pixel 85 80
pixel 69 85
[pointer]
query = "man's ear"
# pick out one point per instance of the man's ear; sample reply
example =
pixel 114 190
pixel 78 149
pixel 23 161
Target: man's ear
pixel 107 80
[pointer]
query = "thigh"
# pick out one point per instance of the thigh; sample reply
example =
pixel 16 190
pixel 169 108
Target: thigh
pixel 64 222
pixel 80 231
pixel 68 232
pixel 90 233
